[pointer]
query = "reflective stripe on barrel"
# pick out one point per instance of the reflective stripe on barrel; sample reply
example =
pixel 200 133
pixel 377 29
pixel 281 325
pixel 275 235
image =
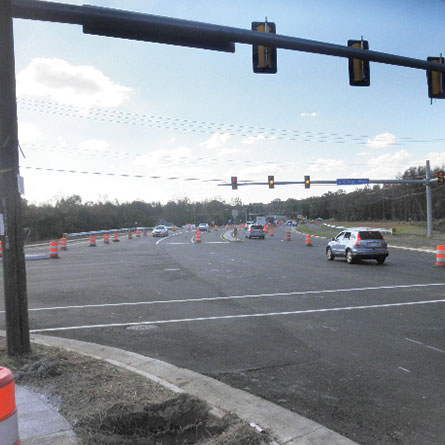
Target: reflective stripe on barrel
pixel 440 259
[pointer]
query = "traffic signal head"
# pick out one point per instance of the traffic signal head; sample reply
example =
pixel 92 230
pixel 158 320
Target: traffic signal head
pixel 271 181
pixel 359 73
pixel 234 183
pixel 307 182
pixel 436 80
pixel 440 177
pixel 264 58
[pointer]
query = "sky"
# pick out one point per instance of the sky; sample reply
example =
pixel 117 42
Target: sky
pixel 156 122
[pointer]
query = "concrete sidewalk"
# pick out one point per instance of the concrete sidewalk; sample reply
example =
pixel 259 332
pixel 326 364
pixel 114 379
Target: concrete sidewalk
pixel 40 424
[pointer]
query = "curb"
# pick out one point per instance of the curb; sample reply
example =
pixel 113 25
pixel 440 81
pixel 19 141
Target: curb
pixel 286 426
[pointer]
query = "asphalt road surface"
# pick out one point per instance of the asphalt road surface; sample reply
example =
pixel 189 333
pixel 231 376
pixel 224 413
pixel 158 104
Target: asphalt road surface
pixel 359 348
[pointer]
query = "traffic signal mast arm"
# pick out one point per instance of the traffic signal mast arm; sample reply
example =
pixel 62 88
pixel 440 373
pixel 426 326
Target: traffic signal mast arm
pixel 152 28
pixel 334 182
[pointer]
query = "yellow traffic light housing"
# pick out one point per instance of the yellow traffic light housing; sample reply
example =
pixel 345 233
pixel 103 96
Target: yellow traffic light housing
pixel 307 182
pixel 359 72
pixel 264 57
pixel 436 80
pixel 271 181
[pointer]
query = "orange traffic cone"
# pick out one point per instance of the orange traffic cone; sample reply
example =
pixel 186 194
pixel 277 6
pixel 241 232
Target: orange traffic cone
pixel 107 238
pixel 308 241
pixel 116 238
pixel 9 428
pixel 92 241
pixel 54 249
pixel 198 236
pixel 63 244
pixel 287 236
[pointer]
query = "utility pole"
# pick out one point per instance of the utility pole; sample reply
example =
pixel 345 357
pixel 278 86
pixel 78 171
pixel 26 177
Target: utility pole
pixel 429 205
pixel 14 272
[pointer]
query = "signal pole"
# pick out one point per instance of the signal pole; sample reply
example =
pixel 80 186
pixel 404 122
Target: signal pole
pixel 429 205
pixel 14 272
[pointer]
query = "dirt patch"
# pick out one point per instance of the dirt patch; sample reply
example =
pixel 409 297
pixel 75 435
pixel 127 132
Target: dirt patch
pixel 108 405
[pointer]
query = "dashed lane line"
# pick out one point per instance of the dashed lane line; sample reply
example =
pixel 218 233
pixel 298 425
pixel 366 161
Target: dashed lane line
pixel 233 317
pixel 235 297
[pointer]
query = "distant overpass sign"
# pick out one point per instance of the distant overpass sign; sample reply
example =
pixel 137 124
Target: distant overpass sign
pixel 361 181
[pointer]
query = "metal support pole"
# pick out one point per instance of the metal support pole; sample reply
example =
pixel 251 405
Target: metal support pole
pixel 429 205
pixel 14 273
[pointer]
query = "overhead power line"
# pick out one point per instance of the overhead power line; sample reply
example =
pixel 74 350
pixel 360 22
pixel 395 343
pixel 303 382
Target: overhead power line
pixel 189 125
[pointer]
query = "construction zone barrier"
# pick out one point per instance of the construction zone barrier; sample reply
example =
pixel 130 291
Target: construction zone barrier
pixel 138 233
pixel 272 231
pixel 145 232
pixel 1 249
pixel 116 238
pixel 9 428
pixel 198 236
pixel 189 227
pixel 216 228
pixel 308 241
pixel 288 236
pixel 130 235
pixel 92 241
pixel 63 244
pixel 440 259
pixel 106 238
pixel 54 249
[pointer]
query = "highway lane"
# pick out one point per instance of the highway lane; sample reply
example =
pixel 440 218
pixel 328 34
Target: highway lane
pixel 374 373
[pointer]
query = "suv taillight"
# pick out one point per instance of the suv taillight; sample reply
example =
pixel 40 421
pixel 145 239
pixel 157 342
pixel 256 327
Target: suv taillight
pixel 359 238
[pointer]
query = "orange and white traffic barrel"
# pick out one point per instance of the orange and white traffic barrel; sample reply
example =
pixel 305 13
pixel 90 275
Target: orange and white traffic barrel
pixel 107 238
pixel 1 249
pixel 92 241
pixel 189 228
pixel 63 244
pixel 9 427
pixel 198 236
pixel 145 232
pixel 138 233
pixel 216 228
pixel 116 238
pixel 440 259
pixel 288 236
pixel 130 234
pixel 271 231
pixel 54 249
pixel 308 241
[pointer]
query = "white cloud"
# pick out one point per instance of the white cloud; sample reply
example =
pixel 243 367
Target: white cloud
pixel 97 145
pixel 382 140
pixel 313 114
pixel 436 159
pixel 253 139
pixel 28 132
pixel 388 165
pixel 227 151
pixel 217 140
pixel 326 165
pixel 82 86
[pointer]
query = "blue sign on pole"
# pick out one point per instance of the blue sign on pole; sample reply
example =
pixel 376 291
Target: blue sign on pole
pixel 362 181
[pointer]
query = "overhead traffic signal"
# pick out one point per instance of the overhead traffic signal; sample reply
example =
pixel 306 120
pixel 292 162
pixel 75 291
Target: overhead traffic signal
pixel 271 181
pixel 234 183
pixel 359 73
pixel 440 177
pixel 307 182
pixel 264 58
pixel 436 80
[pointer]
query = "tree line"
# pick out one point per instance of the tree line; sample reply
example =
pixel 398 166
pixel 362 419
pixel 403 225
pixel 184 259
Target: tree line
pixel 396 202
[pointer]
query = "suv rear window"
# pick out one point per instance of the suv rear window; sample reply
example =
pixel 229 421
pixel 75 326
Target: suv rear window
pixel 257 227
pixel 371 235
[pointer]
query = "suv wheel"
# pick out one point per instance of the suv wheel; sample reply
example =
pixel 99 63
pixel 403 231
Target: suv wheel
pixel 329 255
pixel 349 257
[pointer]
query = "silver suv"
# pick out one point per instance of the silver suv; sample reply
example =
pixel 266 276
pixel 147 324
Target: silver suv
pixel 357 244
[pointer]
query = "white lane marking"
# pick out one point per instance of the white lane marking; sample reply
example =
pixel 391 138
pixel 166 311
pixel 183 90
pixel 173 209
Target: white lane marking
pixel 413 341
pixel 171 270
pixel 162 239
pixel 436 349
pixel 229 317
pixel 234 297
pixel 404 369
pixel 177 244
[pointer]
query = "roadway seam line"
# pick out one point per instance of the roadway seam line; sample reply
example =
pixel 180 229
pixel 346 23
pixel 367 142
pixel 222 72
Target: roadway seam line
pixel 233 297
pixel 242 316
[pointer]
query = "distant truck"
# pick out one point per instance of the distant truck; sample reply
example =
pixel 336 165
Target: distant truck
pixel 261 220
